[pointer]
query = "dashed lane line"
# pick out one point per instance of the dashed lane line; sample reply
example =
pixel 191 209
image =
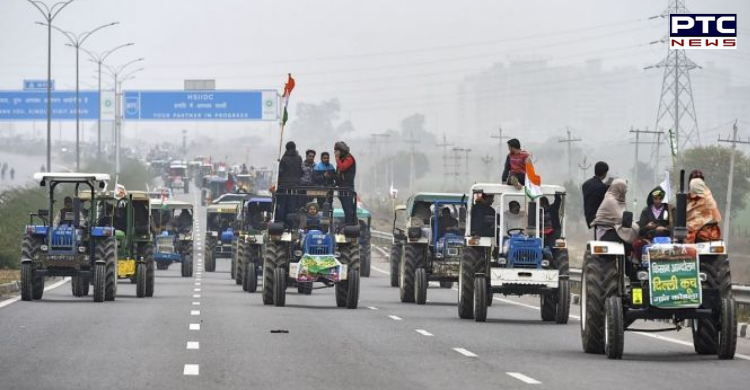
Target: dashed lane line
pixel 372 307
pixel 424 332
pixel 197 290
pixel 396 318
pixel 195 312
pixel 196 303
pixel 191 369
pixel 193 345
pixel 524 378
pixel 465 352
pixel 196 295
pixel 195 326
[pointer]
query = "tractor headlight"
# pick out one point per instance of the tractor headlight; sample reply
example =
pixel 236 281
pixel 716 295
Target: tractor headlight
pixel 502 261
pixel 545 263
pixel 43 248
pixel 703 276
pixel 642 275
pixel 81 249
pixel 298 253
pixel 717 249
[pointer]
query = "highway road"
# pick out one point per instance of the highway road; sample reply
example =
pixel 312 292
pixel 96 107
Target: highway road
pixel 204 332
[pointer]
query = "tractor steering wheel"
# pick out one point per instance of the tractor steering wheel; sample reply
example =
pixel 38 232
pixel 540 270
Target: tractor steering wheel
pixel 519 230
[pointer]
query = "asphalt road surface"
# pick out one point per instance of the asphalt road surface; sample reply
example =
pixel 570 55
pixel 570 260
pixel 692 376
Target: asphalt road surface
pixel 204 332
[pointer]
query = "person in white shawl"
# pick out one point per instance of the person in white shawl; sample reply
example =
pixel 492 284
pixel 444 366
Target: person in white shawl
pixel 608 221
pixel 513 218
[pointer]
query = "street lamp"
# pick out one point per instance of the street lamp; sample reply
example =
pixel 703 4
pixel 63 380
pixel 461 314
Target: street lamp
pixel 49 14
pixel 99 60
pixel 76 41
pixel 119 78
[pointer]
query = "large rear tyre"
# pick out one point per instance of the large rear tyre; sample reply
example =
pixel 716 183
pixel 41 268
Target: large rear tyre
pixel 480 298
pixel 718 276
pixel 100 276
pixel 275 256
pixel 27 281
pixel 395 264
pixel 599 282
pixel 614 328
pixel 140 280
pixel 727 330
pixel 210 262
pixel 279 287
pixel 186 268
pixel 106 250
pixel 345 288
pixel 413 258
pixel 364 258
pixel 250 280
pixel 472 257
pixel 420 286
pixel 562 302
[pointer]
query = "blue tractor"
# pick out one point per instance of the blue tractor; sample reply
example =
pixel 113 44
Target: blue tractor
pixel 432 243
pixel 506 253
pixel 70 244
pixel 173 234
pixel 221 220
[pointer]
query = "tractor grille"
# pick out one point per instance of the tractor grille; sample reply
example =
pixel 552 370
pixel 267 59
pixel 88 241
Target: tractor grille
pixel 62 238
pixel 318 250
pixel 525 253
pixel 165 245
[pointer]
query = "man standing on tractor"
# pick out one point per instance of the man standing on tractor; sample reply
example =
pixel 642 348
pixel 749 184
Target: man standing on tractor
pixel 346 170
pixel 593 191
pixel 308 169
pixel 325 171
pixel 515 164
pixel 483 217
pixel 290 172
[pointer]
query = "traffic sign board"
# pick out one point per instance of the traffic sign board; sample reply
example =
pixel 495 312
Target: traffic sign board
pixel 251 105
pixel 32 105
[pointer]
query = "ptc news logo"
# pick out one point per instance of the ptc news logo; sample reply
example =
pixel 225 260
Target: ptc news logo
pixel 703 31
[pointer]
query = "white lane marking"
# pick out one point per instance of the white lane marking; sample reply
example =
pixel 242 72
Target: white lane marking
pixel 195 312
pixel 396 318
pixel 424 332
pixel 372 307
pixel 524 378
pixel 465 352
pixel 196 303
pixel 197 290
pixel 193 345
pixel 197 283
pixel 199 273
pixel 191 369
pixel 195 326
pixel 50 287
pixel 196 295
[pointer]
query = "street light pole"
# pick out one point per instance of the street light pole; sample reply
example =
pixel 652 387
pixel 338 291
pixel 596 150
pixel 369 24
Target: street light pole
pixel 49 14
pixel 99 60
pixel 76 41
pixel 116 73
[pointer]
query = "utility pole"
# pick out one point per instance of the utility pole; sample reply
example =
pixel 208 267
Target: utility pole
pixel 499 137
pixel 638 143
pixel 466 161
pixel 728 212
pixel 412 168
pixel 676 105
pixel 445 146
pixel 584 167
pixel 570 141
pixel 456 163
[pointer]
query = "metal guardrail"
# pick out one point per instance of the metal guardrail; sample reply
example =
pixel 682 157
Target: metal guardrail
pixel 740 292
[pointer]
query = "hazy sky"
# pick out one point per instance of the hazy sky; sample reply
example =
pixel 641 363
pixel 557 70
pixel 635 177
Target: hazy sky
pixel 383 59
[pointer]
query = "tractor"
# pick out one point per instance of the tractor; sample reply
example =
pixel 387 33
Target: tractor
pixel 130 215
pixel 674 282
pixel 173 234
pixel 221 220
pixel 514 252
pixel 215 186
pixel 68 242
pixel 434 243
pixel 177 177
pixel 303 249
pixel 253 216
pixel 365 220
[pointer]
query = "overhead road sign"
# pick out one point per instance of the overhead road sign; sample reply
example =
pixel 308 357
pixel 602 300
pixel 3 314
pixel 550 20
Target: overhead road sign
pixel 32 105
pixel 35 85
pixel 250 105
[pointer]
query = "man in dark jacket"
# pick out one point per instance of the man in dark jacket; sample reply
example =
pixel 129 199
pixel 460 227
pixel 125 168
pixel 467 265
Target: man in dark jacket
pixel 483 217
pixel 593 191
pixel 290 174
pixel 346 171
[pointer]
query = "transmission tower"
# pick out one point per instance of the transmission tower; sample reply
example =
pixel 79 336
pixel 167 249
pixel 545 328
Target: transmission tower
pixel 676 105
pixel 446 165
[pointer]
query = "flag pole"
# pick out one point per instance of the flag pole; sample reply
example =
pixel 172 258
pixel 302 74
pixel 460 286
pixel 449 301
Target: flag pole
pixel 288 87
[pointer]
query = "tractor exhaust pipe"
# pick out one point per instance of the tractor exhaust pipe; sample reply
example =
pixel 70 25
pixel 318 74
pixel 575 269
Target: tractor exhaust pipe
pixel 680 212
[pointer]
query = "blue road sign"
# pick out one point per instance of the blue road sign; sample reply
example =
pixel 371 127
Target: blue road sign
pixel 34 85
pixel 251 105
pixel 32 105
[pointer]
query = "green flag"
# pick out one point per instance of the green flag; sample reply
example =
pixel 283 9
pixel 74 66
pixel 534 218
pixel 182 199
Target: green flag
pixel 284 117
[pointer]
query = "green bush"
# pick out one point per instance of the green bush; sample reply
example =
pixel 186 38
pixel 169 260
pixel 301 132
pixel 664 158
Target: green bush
pixel 15 206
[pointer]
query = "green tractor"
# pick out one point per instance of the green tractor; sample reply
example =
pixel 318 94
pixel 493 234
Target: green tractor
pixel 252 218
pixel 365 221
pixel 130 216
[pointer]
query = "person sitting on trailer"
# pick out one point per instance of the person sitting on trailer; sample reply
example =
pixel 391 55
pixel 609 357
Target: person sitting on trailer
pixel 551 219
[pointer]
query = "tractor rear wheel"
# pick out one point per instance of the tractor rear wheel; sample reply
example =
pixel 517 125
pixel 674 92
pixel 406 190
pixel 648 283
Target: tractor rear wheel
pixel 420 286
pixel 106 251
pixel 250 280
pixel 718 276
pixel 413 258
pixel 279 286
pixel 471 261
pixel 275 256
pixel 32 284
pixel 141 279
pixel 395 263
pixel 599 282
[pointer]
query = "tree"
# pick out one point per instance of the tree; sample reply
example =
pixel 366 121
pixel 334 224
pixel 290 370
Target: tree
pixel 714 162
pixel 414 124
pixel 316 125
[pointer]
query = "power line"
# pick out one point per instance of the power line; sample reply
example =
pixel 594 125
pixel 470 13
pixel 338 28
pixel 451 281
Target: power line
pixel 734 141
pixel 569 140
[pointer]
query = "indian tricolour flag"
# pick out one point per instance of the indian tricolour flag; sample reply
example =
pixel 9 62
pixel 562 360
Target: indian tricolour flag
pixel 533 181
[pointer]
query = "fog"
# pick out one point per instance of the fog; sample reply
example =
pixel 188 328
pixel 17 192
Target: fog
pixel 468 67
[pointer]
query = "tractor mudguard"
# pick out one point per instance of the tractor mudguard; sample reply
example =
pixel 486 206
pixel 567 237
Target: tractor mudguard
pixel 37 230
pixel 102 231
